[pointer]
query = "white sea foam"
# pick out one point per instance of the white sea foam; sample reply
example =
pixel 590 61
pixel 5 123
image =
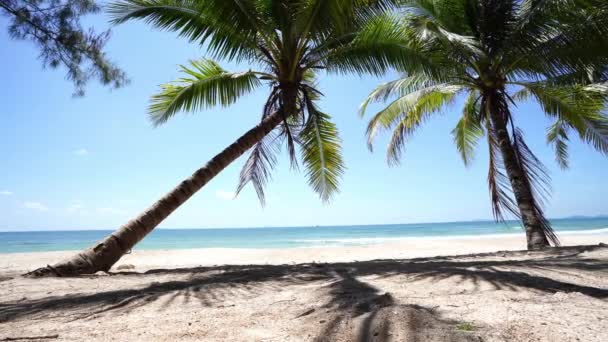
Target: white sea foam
pixel 589 231
pixel 378 240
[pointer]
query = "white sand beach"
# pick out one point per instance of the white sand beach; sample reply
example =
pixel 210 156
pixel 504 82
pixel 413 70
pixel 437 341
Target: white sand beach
pixel 144 260
pixel 416 293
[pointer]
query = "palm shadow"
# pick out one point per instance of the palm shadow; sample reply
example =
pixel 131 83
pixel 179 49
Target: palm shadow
pixel 362 313
pixel 210 286
pixel 350 299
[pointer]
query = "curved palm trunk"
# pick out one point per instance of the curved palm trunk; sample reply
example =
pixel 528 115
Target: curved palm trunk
pixel 106 253
pixel 535 235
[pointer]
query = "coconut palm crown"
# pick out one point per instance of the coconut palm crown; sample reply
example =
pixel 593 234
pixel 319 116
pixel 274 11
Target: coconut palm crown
pixel 286 41
pixel 289 40
pixel 496 53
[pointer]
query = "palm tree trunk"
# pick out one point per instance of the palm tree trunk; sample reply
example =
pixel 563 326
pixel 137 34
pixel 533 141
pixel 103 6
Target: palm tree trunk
pixel 106 253
pixel 522 190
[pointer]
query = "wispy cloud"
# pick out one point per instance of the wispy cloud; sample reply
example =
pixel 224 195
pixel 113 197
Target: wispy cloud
pixel 5 193
pixel 225 195
pixel 35 206
pixel 76 207
pixel 81 152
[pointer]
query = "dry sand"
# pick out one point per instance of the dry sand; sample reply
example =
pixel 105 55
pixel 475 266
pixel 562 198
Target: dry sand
pixel 321 294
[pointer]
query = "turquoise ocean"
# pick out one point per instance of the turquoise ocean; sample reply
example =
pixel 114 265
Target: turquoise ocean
pixel 285 237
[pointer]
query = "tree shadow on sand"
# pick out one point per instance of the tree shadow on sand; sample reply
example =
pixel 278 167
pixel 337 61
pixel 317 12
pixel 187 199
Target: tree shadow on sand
pixel 362 313
pixel 350 298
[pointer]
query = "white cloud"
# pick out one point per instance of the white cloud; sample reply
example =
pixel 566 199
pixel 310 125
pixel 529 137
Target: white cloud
pixel 35 206
pixel 5 193
pixel 225 195
pixel 76 207
pixel 81 152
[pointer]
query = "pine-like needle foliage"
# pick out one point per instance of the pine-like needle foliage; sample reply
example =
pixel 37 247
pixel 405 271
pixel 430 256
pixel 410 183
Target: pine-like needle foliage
pixel 54 26
pixel 494 53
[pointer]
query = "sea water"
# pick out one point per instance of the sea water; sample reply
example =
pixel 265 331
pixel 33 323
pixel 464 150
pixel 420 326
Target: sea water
pixel 286 237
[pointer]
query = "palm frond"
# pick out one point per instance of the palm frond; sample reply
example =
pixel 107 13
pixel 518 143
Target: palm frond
pixel 407 113
pixel 381 44
pixel 446 13
pixel 321 153
pixel 429 30
pixel 469 128
pixel 596 133
pixel 557 135
pixel 397 88
pixel 207 85
pixel 555 101
pixel 556 37
pixel 320 16
pixel 324 18
pixel 498 182
pixel 534 170
pixel 289 125
pixel 413 115
pixel 577 106
pixel 220 23
pixel 258 167
pixel 537 176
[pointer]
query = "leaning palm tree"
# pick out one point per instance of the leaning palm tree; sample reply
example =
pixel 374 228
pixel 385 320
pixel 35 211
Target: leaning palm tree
pixel 288 40
pixel 495 53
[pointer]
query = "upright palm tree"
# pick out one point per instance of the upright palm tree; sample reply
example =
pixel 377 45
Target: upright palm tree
pixel 288 40
pixel 496 53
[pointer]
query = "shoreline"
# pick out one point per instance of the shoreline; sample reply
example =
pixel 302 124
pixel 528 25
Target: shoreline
pixel 345 242
pixel 144 260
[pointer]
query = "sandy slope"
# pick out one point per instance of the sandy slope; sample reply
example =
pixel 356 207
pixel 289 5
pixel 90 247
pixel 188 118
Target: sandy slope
pixel 556 295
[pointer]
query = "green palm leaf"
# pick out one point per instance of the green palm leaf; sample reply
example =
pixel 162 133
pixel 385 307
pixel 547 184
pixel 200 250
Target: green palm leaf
pixel 557 135
pixel 428 29
pixel 450 14
pixel 576 106
pixel 553 49
pixel 381 44
pixel 554 37
pixel 216 22
pixel 323 18
pixel 498 182
pixel 208 85
pixel 397 88
pixel 259 165
pixel 321 153
pixel 414 111
pixel 407 113
pixel 469 129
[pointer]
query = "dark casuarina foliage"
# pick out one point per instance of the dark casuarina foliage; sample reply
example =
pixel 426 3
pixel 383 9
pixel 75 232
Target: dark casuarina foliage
pixel 287 41
pixel 498 52
pixel 54 26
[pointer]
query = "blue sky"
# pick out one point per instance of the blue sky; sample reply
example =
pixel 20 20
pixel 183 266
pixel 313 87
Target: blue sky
pixel 94 162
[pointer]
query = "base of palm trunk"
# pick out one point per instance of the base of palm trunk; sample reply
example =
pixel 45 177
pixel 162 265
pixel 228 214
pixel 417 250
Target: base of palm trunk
pixel 106 253
pixel 536 239
pixel 98 258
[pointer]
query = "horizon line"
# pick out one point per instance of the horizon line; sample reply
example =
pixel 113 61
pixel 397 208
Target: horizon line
pixel 309 226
